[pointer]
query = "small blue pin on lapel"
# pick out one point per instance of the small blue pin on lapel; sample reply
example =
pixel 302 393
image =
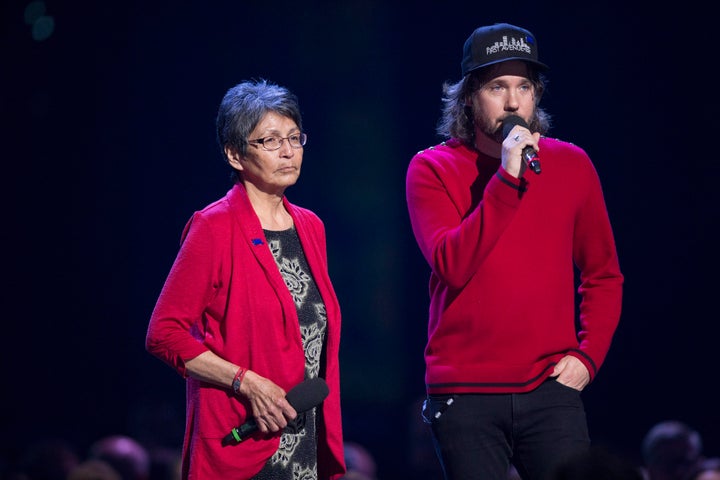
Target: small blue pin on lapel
pixel 257 241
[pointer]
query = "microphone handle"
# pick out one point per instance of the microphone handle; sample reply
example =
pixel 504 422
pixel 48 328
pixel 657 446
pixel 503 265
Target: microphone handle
pixel 530 156
pixel 238 434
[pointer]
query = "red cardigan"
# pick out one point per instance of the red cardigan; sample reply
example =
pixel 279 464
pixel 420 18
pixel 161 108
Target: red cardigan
pixel 225 293
pixel 502 253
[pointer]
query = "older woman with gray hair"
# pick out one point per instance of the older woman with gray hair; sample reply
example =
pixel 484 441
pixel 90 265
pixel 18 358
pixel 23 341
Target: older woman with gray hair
pixel 248 311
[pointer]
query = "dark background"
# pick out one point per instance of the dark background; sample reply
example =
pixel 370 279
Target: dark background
pixel 108 147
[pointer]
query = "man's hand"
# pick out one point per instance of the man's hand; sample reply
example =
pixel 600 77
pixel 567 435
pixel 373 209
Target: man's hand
pixel 572 373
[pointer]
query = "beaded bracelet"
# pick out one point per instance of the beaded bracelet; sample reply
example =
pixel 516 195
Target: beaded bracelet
pixel 238 380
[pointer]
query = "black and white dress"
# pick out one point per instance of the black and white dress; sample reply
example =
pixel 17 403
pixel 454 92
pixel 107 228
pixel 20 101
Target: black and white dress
pixel 296 458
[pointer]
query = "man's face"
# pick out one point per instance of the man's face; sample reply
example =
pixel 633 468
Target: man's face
pixel 509 91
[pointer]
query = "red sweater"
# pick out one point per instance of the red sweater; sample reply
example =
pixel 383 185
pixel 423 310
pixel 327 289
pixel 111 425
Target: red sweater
pixel 225 293
pixel 502 253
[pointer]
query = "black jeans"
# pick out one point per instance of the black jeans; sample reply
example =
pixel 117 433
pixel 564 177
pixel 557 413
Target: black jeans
pixel 477 436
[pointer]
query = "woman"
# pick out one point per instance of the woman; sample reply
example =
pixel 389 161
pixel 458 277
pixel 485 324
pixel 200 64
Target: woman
pixel 248 310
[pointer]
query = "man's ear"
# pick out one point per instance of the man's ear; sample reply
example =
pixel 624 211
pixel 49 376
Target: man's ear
pixel 234 157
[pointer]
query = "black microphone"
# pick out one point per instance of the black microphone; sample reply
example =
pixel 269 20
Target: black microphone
pixel 302 397
pixel 528 154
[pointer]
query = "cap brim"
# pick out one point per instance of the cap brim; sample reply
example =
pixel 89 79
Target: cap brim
pixel 541 66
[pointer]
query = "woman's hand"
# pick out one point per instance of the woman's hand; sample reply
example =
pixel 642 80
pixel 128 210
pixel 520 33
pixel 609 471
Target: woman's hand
pixel 267 400
pixel 270 408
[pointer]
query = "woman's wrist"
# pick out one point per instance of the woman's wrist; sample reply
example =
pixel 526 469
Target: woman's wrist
pixel 237 380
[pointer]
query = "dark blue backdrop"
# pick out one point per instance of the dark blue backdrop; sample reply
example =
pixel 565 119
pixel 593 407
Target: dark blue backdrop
pixel 108 147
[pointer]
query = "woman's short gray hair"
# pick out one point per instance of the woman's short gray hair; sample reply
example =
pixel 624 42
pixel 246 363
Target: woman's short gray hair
pixel 245 105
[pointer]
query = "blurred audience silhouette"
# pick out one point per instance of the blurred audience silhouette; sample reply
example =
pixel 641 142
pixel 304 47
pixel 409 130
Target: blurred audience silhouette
pixel 165 463
pixel 513 474
pixel 46 459
pixel 126 455
pixel 670 450
pixel 706 469
pixel 360 462
pixel 93 470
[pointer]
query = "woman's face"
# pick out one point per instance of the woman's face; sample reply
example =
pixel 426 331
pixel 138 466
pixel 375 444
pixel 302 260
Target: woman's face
pixel 270 171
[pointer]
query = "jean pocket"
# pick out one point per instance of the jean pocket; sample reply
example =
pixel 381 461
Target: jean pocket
pixel 566 388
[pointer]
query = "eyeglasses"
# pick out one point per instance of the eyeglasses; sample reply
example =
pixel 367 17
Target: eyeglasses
pixel 296 140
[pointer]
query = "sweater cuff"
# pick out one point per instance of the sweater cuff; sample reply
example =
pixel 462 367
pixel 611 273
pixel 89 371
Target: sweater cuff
pixel 507 188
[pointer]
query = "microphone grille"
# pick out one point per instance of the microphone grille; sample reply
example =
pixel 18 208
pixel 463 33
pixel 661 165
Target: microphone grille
pixel 509 122
pixel 308 394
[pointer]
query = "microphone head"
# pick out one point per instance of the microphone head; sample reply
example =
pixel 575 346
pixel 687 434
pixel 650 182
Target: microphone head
pixel 307 394
pixel 509 122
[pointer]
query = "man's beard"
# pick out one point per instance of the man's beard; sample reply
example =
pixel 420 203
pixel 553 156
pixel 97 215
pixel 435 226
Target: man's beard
pixel 489 127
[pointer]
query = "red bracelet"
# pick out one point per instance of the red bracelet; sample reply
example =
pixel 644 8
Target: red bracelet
pixel 238 379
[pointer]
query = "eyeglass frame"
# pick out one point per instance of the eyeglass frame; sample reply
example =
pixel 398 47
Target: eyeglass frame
pixel 261 141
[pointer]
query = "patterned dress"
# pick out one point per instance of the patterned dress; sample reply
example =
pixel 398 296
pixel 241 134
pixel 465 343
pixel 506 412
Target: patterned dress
pixel 296 458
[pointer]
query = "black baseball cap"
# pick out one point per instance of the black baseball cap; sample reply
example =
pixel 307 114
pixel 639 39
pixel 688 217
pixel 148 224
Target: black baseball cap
pixel 499 43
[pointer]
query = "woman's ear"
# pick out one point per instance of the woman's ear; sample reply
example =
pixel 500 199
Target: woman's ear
pixel 234 157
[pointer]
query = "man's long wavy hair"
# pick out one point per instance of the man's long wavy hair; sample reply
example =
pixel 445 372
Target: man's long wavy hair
pixel 457 115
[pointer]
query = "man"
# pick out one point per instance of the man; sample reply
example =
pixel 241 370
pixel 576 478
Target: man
pixel 506 359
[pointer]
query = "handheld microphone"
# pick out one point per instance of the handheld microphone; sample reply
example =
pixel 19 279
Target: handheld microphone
pixel 302 397
pixel 528 154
